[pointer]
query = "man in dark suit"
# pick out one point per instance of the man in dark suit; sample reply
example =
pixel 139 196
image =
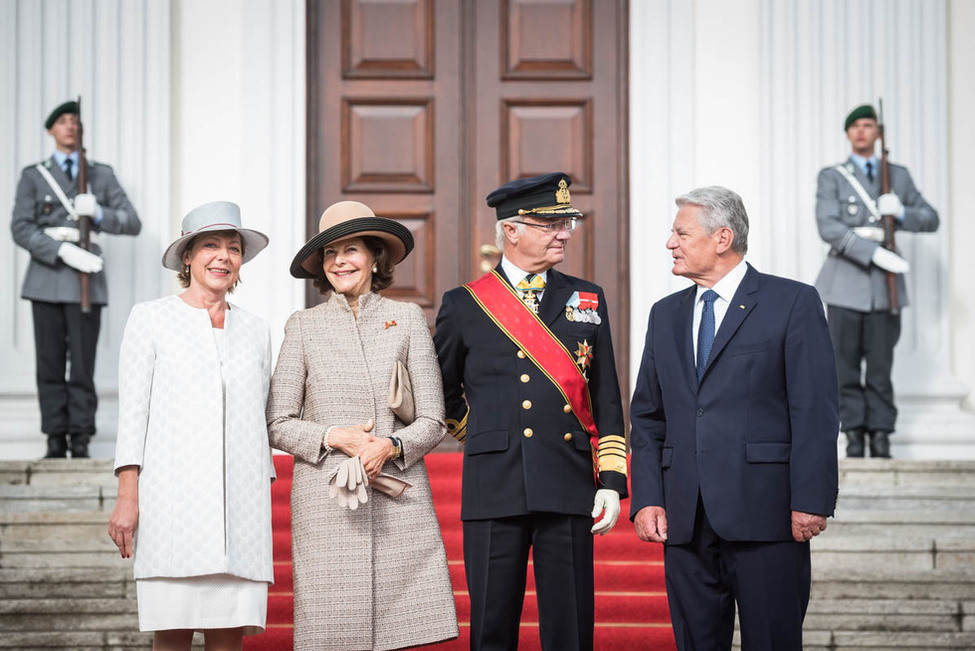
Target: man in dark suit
pixel 734 425
pixel 530 385
pixel 45 223
pixel 853 280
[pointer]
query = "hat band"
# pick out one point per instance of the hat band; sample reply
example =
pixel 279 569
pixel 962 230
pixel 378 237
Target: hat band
pixel 233 227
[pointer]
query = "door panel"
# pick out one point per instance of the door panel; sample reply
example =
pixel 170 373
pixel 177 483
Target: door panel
pixel 420 108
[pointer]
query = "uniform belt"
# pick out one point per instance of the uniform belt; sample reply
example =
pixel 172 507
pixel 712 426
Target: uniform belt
pixel 68 234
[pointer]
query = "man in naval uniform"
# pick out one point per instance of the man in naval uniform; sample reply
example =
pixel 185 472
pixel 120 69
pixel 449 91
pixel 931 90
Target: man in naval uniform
pixel 531 389
pixel 852 282
pixel 45 223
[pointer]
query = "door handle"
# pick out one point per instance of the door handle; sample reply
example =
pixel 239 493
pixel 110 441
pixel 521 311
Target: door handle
pixel 488 251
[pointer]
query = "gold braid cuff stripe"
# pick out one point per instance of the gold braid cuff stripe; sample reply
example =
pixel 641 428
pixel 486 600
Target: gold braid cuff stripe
pixel 458 429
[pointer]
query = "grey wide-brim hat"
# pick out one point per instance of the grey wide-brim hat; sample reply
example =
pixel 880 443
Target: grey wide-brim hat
pixel 350 219
pixel 213 216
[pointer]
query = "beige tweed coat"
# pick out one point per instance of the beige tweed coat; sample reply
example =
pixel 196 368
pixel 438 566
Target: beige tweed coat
pixel 374 578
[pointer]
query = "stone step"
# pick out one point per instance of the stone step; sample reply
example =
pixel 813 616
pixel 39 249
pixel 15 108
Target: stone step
pixel 907 553
pixel 893 583
pixel 77 640
pixel 33 498
pixel 48 472
pixel 44 615
pixel 67 583
pixel 903 472
pixel 913 615
pixel 907 498
pixel 888 640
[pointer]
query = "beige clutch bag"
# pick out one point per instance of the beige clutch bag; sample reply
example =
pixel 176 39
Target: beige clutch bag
pixel 401 393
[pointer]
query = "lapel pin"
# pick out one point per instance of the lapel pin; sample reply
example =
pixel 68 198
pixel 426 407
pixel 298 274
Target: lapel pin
pixel 741 307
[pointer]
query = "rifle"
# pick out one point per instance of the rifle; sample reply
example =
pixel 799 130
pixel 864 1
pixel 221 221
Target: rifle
pixel 887 221
pixel 84 221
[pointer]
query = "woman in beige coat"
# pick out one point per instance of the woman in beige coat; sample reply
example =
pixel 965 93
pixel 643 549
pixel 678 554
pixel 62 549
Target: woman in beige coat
pixel 370 571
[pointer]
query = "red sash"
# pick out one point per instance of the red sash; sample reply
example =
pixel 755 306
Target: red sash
pixel 503 306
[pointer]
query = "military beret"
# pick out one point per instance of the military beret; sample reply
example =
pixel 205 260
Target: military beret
pixel 67 107
pixel 865 111
pixel 543 196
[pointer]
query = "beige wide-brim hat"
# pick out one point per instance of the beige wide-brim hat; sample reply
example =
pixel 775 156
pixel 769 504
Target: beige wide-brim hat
pixel 350 219
pixel 214 216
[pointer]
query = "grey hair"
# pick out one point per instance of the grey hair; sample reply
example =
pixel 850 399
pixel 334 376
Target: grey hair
pixel 720 208
pixel 499 239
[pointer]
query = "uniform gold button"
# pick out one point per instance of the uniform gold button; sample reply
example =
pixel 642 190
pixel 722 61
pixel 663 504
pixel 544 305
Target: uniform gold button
pixel 524 377
pixel 567 409
pixel 568 436
pixel 528 432
pixel 526 404
pixel 521 354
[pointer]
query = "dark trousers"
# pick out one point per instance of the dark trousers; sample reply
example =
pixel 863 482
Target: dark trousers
pixel 866 396
pixel 62 333
pixel 496 562
pixel 769 581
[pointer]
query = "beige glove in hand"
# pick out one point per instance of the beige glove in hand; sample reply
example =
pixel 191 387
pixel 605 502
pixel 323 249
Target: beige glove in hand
pixel 607 502
pixel 348 486
pixel 889 261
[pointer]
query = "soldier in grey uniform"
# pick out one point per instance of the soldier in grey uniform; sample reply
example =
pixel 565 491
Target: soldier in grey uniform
pixel 852 282
pixel 45 224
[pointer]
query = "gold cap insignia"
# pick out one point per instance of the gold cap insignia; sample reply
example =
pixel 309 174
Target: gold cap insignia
pixel 562 194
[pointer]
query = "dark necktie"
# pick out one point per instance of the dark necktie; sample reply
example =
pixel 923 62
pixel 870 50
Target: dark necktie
pixel 68 163
pixel 705 332
pixel 870 171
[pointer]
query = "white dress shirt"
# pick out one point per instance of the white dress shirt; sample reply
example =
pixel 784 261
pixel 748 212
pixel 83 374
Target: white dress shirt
pixel 725 288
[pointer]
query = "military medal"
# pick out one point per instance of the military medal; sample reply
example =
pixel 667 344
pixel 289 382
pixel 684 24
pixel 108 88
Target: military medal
pixel 581 307
pixel 583 356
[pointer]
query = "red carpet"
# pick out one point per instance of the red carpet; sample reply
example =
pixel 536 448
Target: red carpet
pixel 631 605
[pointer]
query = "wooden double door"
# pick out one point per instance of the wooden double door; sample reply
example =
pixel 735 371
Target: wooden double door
pixel 419 108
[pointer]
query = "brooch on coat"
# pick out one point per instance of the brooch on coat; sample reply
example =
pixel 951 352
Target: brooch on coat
pixel 581 307
pixel 390 324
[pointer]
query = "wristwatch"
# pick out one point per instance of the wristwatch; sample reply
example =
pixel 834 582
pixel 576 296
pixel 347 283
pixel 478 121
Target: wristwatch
pixel 397 446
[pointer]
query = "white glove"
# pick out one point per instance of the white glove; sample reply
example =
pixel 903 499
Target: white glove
pixel 77 258
pixel 873 233
pixel 890 261
pixel 890 204
pixel 85 205
pixel 608 503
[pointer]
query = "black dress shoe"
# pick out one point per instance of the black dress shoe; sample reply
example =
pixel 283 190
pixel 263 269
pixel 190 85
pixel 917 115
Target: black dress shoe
pixel 854 443
pixel 79 446
pixel 57 446
pixel 880 445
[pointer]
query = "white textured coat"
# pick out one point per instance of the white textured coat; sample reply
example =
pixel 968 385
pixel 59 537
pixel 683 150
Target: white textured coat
pixel 195 427
pixel 374 578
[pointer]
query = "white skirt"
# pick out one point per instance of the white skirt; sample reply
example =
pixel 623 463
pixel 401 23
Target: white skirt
pixel 202 602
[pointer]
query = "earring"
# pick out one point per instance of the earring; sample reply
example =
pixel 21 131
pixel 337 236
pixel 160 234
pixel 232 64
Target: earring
pixel 375 268
pixel 186 269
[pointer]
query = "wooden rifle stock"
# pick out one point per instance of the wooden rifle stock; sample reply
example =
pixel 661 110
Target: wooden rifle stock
pixel 887 221
pixel 84 221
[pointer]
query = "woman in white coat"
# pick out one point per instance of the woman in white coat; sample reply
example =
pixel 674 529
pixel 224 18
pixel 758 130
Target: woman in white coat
pixel 192 458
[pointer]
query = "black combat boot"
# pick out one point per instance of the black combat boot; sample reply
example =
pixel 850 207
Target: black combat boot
pixel 57 446
pixel 880 445
pixel 854 443
pixel 79 446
